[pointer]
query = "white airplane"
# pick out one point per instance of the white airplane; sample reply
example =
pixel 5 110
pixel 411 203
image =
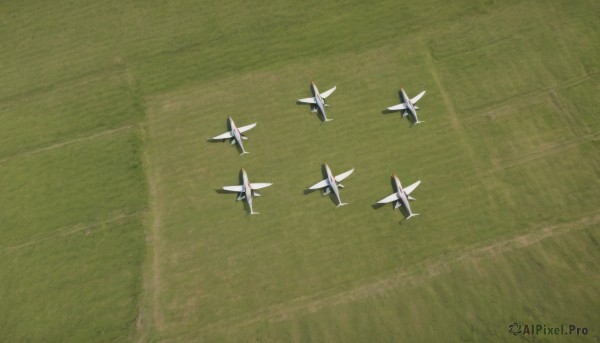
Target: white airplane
pixel 408 106
pixel 332 183
pixel 235 134
pixel 401 196
pixel 317 101
pixel 247 190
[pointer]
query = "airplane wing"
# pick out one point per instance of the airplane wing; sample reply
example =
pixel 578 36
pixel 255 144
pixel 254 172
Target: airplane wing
pixel 238 188
pixel 224 136
pixel 412 187
pixel 397 107
pixel 246 128
pixel 308 100
pixel 389 198
pixel 327 93
pixel 259 185
pixel 342 176
pixel 320 184
pixel 416 98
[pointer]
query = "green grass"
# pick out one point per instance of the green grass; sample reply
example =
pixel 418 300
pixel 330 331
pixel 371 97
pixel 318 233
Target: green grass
pixel 102 101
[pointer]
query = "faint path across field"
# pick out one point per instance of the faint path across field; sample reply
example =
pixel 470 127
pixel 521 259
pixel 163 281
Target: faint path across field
pixel 66 231
pixel 65 143
pixel 431 268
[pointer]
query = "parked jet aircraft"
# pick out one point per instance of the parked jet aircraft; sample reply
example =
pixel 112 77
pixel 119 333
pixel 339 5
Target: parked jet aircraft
pixel 317 101
pixel 247 190
pixel 401 196
pixel 408 106
pixel 332 183
pixel 235 134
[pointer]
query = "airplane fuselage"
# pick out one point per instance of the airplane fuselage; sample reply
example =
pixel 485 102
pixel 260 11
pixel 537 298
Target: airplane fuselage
pixel 402 198
pixel 319 101
pixel 247 190
pixel 333 184
pixel 236 134
pixel 410 107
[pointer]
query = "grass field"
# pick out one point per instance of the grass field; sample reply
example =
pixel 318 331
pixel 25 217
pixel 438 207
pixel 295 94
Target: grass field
pixel 112 229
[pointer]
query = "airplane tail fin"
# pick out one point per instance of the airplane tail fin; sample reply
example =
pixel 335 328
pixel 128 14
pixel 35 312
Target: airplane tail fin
pixel 326 120
pixel 252 212
pixel 412 215
pixel 417 122
pixel 341 204
pixel 244 152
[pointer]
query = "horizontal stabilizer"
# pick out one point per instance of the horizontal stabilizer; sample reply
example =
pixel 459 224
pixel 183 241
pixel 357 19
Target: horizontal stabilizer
pixel 327 93
pixel 412 215
pixel 224 136
pixel 238 188
pixel 342 204
pixel 259 185
pixel 397 107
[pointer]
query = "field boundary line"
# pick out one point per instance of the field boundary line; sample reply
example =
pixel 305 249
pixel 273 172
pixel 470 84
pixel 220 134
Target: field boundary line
pixel 66 231
pixel 66 143
pixel 427 270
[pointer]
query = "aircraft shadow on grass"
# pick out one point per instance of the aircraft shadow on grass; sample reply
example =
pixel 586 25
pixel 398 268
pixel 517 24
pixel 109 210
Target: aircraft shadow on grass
pixel 386 111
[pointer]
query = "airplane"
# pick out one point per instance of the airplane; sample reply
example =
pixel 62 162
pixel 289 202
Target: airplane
pixel 401 196
pixel 332 183
pixel 408 106
pixel 247 190
pixel 235 134
pixel 317 101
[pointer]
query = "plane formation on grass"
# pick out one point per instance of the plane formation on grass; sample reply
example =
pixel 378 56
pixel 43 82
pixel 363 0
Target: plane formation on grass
pixel 401 196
